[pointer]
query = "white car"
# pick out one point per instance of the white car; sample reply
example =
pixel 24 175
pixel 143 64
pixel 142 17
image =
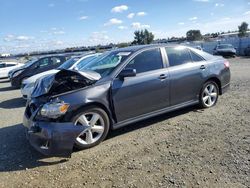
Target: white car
pixel 75 63
pixel 6 67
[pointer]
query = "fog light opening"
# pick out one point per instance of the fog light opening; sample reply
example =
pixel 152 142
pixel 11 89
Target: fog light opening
pixel 45 145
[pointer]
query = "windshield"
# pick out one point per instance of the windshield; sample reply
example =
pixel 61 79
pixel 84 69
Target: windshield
pixel 225 46
pixel 85 61
pixel 30 62
pixel 69 63
pixel 106 63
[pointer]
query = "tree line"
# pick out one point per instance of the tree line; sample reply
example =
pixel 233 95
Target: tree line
pixel 146 37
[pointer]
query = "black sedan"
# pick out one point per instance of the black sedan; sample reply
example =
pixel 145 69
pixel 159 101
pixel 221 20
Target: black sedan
pixel 35 66
pixel 226 50
pixel 123 86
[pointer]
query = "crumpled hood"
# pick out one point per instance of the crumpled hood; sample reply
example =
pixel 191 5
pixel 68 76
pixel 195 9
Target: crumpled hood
pixel 64 81
pixel 33 79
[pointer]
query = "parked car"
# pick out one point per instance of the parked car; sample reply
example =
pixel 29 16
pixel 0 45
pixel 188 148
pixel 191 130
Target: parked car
pixel 123 86
pixel 73 63
pixel 27 63
pixel 225 50
pixel 6 67
pixel 247 51
pixel 34 67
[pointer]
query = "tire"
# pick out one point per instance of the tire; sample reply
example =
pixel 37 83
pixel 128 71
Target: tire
pixel 207 96
pixel 88 116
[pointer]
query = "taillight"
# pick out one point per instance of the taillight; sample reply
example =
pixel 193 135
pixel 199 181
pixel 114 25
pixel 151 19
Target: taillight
pixel 226 63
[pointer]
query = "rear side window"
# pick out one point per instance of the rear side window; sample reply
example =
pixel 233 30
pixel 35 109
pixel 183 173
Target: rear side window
pixel 178 56
pixel 147 61
pixel 195 57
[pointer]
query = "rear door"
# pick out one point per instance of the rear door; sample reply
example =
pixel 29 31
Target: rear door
pixel 147 91
pixel 187 71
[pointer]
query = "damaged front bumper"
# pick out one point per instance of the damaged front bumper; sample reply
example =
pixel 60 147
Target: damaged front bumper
pixel 51 138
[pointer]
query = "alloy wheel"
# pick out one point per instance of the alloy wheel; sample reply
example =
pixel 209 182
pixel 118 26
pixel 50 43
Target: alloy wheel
pixel 95 129
pixel 210 95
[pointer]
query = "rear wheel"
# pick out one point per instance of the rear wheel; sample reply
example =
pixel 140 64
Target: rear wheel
pixel 98 124
pixel 209 94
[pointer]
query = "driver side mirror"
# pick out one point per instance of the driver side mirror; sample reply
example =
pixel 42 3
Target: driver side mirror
pixel 128 72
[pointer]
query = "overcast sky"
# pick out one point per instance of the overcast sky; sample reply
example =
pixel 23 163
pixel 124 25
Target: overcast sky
pixel 29 25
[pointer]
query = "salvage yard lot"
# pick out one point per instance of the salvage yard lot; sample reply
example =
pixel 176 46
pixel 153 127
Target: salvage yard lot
pixel 189 147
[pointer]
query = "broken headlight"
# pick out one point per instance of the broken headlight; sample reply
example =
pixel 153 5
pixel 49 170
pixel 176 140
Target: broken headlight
pixel 54 109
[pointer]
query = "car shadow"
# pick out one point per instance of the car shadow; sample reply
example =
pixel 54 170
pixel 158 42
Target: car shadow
pixel 16 154
pixel 13 103
pixel 153 120
pixel 9 88
pixel 4 81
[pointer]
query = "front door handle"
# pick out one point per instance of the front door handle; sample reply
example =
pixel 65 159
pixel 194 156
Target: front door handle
pixel 203 67
pixel 163 76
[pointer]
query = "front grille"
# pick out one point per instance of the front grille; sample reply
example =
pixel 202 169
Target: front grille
pixel 30 109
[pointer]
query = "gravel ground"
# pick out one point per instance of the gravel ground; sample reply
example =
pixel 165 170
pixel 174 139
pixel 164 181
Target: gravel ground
pixel 185 148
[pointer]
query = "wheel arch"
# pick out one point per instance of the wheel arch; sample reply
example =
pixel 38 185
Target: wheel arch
pixel 99 105
pixel 217 81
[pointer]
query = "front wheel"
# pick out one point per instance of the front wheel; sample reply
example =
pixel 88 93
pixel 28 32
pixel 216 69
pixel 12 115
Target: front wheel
pixel 209 94
pixel 98 124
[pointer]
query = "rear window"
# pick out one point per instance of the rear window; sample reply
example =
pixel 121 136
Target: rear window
pixel 225 46
pixel 203 54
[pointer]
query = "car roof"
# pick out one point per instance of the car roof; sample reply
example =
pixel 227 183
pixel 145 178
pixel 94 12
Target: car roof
pixel 59 55
pixel 142 47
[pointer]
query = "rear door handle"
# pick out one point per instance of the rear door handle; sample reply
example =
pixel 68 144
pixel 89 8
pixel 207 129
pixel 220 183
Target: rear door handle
pixel 163 76
pixel 202 67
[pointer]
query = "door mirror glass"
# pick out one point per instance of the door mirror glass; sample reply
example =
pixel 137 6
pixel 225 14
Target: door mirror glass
pixel 128 72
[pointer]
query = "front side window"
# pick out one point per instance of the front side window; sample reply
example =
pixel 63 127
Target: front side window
pixel 43 62
pixel 178 55
pixel 147 61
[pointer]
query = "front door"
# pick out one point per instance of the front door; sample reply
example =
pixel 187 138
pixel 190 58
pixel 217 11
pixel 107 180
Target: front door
pixel 147 91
